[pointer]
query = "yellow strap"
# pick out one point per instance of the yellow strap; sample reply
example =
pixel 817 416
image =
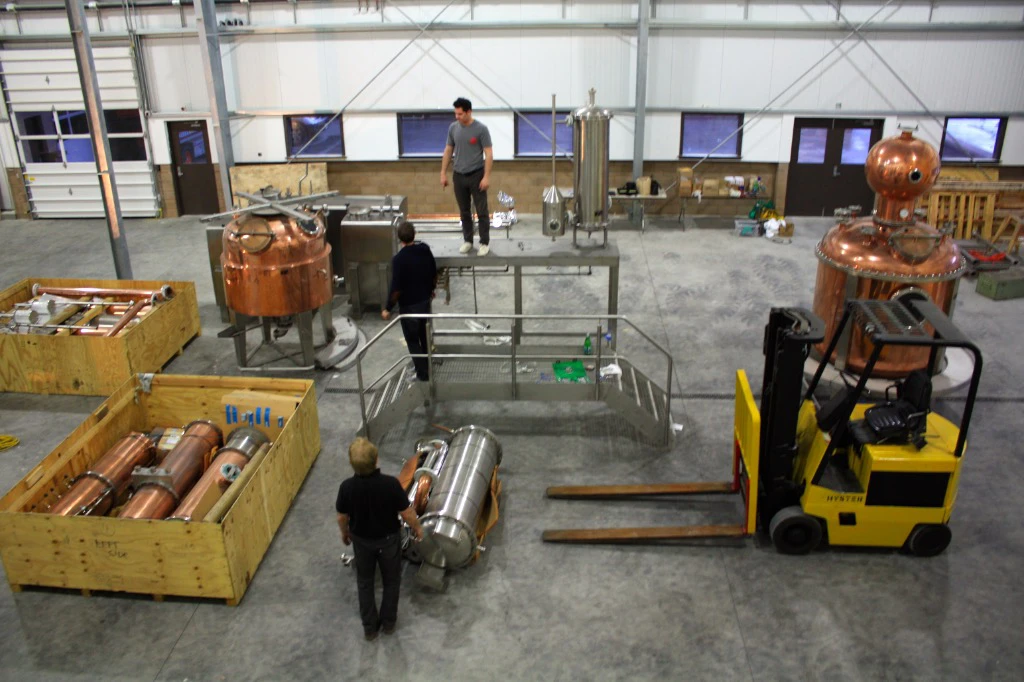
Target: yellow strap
pixel 7 442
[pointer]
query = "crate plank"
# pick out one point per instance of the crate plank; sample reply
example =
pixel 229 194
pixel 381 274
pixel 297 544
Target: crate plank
pixel 159 557
pixel 257 514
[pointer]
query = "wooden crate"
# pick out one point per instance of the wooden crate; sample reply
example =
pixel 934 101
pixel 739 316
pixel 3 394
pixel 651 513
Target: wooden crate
pixel 1002 285
pixel 95 365
pixel 192 559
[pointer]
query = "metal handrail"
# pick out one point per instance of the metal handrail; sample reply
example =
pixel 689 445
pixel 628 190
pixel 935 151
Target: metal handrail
pixel 430 317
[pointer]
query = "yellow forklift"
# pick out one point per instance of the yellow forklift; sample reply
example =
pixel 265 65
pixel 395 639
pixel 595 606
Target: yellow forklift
pixel 851 473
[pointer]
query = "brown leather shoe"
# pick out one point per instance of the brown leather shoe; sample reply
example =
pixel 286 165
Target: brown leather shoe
pixel 370 636
pixel 389 629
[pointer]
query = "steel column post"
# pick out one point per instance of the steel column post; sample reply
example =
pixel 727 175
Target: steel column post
pixel 642 50
pixel 98 135
pixel 213 68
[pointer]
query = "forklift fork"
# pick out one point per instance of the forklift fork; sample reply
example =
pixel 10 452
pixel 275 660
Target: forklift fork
pixel 652 534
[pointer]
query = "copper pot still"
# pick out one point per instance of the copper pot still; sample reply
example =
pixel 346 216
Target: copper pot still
pixel 889 255
pixel 275 264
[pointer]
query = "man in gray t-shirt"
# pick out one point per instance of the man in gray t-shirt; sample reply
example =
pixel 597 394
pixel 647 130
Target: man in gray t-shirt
pixel 470 143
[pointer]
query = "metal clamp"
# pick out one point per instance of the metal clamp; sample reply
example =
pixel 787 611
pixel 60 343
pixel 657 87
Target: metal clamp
pixel 896 238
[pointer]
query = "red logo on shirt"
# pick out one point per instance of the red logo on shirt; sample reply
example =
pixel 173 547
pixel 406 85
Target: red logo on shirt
pixel 472 140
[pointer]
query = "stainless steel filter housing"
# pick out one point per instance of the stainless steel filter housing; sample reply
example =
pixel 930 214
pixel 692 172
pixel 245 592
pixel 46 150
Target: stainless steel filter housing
pixel 449 521
pixel 590 143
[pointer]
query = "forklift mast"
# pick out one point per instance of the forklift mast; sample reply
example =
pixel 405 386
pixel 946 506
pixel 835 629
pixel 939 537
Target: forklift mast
pixel 788 337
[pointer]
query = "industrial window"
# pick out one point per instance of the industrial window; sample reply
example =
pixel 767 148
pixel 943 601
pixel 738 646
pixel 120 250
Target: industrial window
pixel 63 136
pixel 314 136
pixel 530 141
pixel 972 139
pixel 708 135
pixel 423 134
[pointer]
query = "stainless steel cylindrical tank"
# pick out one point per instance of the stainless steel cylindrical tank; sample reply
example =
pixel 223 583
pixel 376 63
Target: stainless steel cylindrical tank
pixel 591 127
pixel 449 521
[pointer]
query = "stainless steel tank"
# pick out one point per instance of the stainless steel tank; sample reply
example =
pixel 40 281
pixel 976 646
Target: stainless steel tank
pixel 458 497
pixel 590 144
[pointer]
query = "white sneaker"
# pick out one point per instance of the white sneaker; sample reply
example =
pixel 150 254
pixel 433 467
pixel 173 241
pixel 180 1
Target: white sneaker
pixel 466 247
pixel 484 250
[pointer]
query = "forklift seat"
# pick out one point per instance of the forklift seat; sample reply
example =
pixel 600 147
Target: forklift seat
pixel 902 420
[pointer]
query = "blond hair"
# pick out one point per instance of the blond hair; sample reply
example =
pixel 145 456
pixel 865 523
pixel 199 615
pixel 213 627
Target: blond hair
pixel 362 454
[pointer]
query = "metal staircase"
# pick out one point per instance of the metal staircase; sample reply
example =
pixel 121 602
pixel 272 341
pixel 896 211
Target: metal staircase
pixel 478 370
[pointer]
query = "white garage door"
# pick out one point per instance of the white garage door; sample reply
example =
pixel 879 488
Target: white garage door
pixel 44 98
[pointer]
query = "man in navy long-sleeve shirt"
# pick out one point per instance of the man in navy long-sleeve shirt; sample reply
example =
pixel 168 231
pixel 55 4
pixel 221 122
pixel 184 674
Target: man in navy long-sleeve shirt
pixel 413 278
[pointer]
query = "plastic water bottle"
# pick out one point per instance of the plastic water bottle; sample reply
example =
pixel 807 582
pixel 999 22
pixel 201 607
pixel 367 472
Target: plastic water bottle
pixel 587 346
pixel 608 340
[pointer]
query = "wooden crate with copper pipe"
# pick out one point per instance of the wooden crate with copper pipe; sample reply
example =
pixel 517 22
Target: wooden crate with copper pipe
pixel 72 362
pixel 213 558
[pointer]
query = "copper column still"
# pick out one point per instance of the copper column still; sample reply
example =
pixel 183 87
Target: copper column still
pixel 95 491
pixel 275 264
pixel 889 255
pixel 241 446
pixel 160 490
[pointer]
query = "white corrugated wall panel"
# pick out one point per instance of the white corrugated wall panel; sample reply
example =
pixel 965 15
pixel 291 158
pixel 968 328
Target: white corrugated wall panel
pixel 1013 142
pixel 174 68
pixel 745 83
pixel 258 139
pixel 762 140
pixel 542 65
pixel 40 80
pixel 661 141
pixel 371 137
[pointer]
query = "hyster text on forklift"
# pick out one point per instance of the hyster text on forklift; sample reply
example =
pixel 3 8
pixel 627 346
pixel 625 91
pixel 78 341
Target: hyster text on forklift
pixel 843 471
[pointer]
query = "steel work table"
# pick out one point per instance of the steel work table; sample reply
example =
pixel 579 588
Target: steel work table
pixel 520 253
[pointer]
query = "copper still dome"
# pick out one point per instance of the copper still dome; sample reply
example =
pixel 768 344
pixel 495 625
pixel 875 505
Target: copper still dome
pixel 275 264
pixel 888 255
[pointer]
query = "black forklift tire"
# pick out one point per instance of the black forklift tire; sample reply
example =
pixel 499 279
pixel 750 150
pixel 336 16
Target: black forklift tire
pixel 929 539
pixel 794 532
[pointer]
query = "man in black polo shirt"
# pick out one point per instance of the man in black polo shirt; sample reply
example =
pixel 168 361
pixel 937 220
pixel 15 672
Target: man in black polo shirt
pixel 368 507
pixel 413 278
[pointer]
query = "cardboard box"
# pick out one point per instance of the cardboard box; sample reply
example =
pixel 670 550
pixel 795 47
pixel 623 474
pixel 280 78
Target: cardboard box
pixel 211 559
pixel 95 365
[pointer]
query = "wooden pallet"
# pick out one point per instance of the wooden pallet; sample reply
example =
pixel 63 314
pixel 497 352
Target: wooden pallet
pixel 969 213
pixel 215 559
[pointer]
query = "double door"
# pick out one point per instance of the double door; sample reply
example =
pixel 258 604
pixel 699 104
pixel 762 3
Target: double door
pixel 826 169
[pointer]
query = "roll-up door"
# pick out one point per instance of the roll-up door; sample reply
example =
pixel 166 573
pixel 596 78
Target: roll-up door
pixel 44 98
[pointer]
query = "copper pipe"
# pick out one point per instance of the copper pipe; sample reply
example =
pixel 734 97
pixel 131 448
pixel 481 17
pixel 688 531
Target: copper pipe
pixel 242 445
pixel 422 493
pixel 165 292
pixel 96 490
pixel 183 466
pixel 127 317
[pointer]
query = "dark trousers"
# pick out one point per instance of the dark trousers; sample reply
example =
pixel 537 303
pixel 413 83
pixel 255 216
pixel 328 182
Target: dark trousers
pixel 369 554
pixel 415 331
pixel 467 186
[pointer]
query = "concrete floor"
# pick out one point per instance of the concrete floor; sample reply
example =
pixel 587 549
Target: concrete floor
pixel 721 611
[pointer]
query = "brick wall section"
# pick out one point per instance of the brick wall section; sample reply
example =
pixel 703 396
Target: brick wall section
pixel 165 185
pixel 525 181
pixel 19 195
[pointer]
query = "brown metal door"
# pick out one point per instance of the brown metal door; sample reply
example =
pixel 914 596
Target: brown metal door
pixel 826 167
pixel 195 183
